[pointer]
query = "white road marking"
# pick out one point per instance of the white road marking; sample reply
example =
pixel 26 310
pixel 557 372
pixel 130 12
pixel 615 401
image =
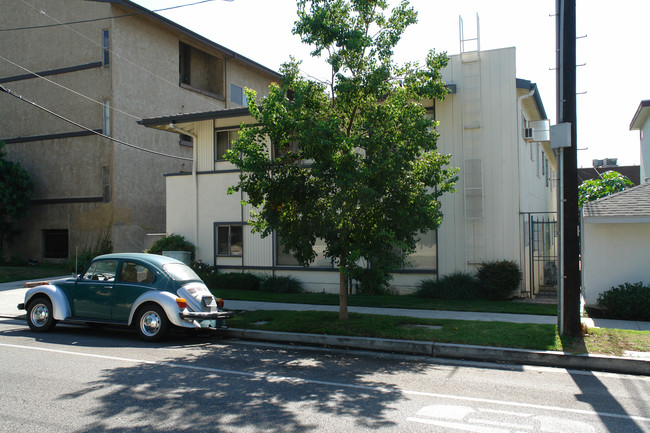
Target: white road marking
pixel 297 380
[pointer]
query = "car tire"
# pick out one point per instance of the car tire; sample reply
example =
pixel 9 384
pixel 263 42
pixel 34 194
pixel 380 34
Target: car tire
pixel 40 316
pixel 152 323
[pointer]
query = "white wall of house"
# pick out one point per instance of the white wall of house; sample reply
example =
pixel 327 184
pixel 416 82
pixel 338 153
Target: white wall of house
pixel 613 253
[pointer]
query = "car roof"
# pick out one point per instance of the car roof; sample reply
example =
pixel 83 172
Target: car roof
pixel 154 259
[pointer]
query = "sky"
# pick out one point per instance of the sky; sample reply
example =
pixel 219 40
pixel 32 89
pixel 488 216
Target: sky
pixel 612 45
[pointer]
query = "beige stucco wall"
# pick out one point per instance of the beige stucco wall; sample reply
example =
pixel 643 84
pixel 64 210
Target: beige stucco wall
pixel 140 82
pixel 613 253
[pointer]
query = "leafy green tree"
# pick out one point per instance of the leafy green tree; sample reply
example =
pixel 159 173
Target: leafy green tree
pixel 15 195
pixel 352 162
pixel 609 182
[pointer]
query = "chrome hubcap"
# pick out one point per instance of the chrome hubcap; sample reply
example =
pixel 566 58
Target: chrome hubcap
pixel 39 315
pixel 150 323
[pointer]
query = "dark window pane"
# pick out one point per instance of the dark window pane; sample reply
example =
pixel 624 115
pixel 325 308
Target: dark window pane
pixel 236 240
pixel 55 244
pixel 222 240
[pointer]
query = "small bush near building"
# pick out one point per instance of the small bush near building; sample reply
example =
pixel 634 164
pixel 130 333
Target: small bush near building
pixel 627 301
pixel 80 262
pixel 498 279
pixel 172 243
pixel 281 285
pixel 457 285
pixel 206 272
pixel 236 281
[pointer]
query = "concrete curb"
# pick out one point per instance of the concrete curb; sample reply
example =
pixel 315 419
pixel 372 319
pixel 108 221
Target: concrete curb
pixel 612 364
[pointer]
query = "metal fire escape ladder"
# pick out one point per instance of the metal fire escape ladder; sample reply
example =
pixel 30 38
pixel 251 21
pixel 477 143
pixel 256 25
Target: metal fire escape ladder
pixel 471 105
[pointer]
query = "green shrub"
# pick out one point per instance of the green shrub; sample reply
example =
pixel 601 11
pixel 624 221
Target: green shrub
pixel 237 281
pixel 206 272
pixel 172 243
pixel 627 301
pixel 498 279
pixel 281 285
pixel 104 245
pixel 457 285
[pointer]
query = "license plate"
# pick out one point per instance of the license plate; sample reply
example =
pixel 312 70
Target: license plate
pixel 208 324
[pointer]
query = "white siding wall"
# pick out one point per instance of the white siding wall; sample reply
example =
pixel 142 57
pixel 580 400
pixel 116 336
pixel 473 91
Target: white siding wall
pixel 613 254
pixel 505 158
pixel 500 157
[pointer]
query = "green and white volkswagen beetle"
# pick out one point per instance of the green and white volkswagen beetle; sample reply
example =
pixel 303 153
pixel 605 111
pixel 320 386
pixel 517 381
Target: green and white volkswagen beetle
pixel 148 291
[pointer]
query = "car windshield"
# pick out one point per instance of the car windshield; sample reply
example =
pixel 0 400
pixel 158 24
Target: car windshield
pixel 180 272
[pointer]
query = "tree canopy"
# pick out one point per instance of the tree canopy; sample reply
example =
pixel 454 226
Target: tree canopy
pixel 609 182
pixel 352 162
pixel 15 196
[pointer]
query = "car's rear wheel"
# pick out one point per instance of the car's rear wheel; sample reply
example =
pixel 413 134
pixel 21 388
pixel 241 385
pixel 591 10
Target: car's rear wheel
pixel 40 316
pixel 152 323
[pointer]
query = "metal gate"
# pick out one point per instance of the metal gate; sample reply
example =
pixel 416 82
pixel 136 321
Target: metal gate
pixel 541 253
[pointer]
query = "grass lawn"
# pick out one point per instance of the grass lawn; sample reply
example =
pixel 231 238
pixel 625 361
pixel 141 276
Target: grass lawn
pixel 43 270
pixel 406 301
pixel 499 334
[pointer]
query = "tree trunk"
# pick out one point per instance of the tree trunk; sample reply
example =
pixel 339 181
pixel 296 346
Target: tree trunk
pixel 343 297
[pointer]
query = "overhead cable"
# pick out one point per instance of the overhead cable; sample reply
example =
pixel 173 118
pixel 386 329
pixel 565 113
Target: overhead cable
pixel 90 20
pixel 78 125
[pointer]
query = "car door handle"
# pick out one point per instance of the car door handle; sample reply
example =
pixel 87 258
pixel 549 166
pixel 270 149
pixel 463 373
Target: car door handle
pixel 108 287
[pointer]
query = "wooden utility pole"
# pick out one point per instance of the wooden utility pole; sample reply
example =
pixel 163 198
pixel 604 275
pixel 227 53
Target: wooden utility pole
pixel 566 113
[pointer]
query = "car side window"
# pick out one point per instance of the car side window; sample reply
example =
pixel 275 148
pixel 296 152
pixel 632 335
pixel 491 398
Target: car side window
pixel 131 272
pixel 101 270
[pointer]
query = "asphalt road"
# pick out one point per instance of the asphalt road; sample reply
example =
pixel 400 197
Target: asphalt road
pixel 78 379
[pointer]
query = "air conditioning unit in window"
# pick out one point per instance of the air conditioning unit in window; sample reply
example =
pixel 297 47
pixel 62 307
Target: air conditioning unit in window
pixel 528 134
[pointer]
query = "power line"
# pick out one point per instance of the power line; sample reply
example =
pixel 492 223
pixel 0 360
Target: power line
pixel 78 125
pixel 67 88
pixel 103 18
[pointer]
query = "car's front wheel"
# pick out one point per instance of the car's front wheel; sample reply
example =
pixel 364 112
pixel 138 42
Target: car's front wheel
pixel 40 316
pixel 152 323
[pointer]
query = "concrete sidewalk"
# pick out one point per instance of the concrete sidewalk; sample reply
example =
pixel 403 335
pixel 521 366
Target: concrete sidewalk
pixel 11 294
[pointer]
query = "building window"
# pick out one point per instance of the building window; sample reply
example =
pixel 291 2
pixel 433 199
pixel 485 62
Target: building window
pixel 55 244
pixel 106 48
pixel 185 140
pixel 425 254
pixel 237 95
pixel 230 240
pixel 106 115
pixel 106 180
pixel 200 71
pixel 223 142
pixel 283 258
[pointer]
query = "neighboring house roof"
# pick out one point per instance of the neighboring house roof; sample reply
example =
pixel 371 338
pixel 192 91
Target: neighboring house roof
pixel 641 115
pixel 191 34
pixel 633 172
pixel 631 204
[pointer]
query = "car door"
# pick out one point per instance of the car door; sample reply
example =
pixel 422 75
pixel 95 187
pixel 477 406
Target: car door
pixel 133 279
pixel 93 293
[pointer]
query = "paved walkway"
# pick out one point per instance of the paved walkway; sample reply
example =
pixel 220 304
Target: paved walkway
pixel 11 294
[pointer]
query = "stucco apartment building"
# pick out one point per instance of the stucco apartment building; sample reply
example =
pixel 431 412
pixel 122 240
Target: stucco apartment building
pixel 104 64
pixel 494 126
